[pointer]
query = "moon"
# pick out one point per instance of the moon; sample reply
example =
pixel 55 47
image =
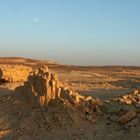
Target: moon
pixel 36 19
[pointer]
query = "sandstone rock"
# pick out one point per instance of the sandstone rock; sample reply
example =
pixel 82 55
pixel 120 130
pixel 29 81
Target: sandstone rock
pixel 130 115
pixel 131 98
pixel 66 94
pixel 14 73
pixel 89 98
pixel 97 102
pixel 131 123
pixel 127 99
pixel 4 133
pixel 76 98
pixel 136 92
pixel 43 89
pixel 43 86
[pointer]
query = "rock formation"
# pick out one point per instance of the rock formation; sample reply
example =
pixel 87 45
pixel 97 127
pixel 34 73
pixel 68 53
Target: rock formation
pixel 14 73
pixel 125 110
pixel 130 115
pixel 131 98
pixel 43 87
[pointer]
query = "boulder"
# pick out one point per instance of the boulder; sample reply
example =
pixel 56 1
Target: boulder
pixel 130 115
pixel 131 98
pixel 132 123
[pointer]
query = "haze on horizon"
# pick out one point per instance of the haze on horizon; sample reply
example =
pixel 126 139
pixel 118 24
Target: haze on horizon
pixel 81 32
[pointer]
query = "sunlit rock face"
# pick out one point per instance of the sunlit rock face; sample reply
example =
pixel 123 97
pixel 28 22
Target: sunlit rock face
pixel 41 86
pixel 14 73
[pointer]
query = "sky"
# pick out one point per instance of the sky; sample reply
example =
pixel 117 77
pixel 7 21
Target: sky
pixel 78 32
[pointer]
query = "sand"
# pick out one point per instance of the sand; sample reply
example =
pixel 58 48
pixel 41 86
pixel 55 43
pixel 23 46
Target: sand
pixel 21 121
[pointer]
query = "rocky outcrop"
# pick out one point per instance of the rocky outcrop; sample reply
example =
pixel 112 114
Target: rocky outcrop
pixel 43 87
pixel 14 73
pixel 130 115
pixel 131 98
pixel 124 110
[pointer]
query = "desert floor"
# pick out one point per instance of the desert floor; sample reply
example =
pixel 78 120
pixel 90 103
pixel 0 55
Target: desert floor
pixel 105 83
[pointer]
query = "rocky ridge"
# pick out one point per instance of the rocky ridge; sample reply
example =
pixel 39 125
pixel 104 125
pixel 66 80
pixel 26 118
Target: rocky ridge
pixel 44 90
pixel 14 73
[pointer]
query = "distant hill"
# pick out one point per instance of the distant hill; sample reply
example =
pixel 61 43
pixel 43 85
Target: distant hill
pixel 54 65
pixel 25 61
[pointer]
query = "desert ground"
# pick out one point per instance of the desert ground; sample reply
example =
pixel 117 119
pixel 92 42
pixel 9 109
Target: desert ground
pixel 114 113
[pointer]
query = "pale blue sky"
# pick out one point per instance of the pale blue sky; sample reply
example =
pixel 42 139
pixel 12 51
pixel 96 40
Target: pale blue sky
pixel 83 32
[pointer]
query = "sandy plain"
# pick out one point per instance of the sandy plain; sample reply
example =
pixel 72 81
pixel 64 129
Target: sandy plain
pixel 106 83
